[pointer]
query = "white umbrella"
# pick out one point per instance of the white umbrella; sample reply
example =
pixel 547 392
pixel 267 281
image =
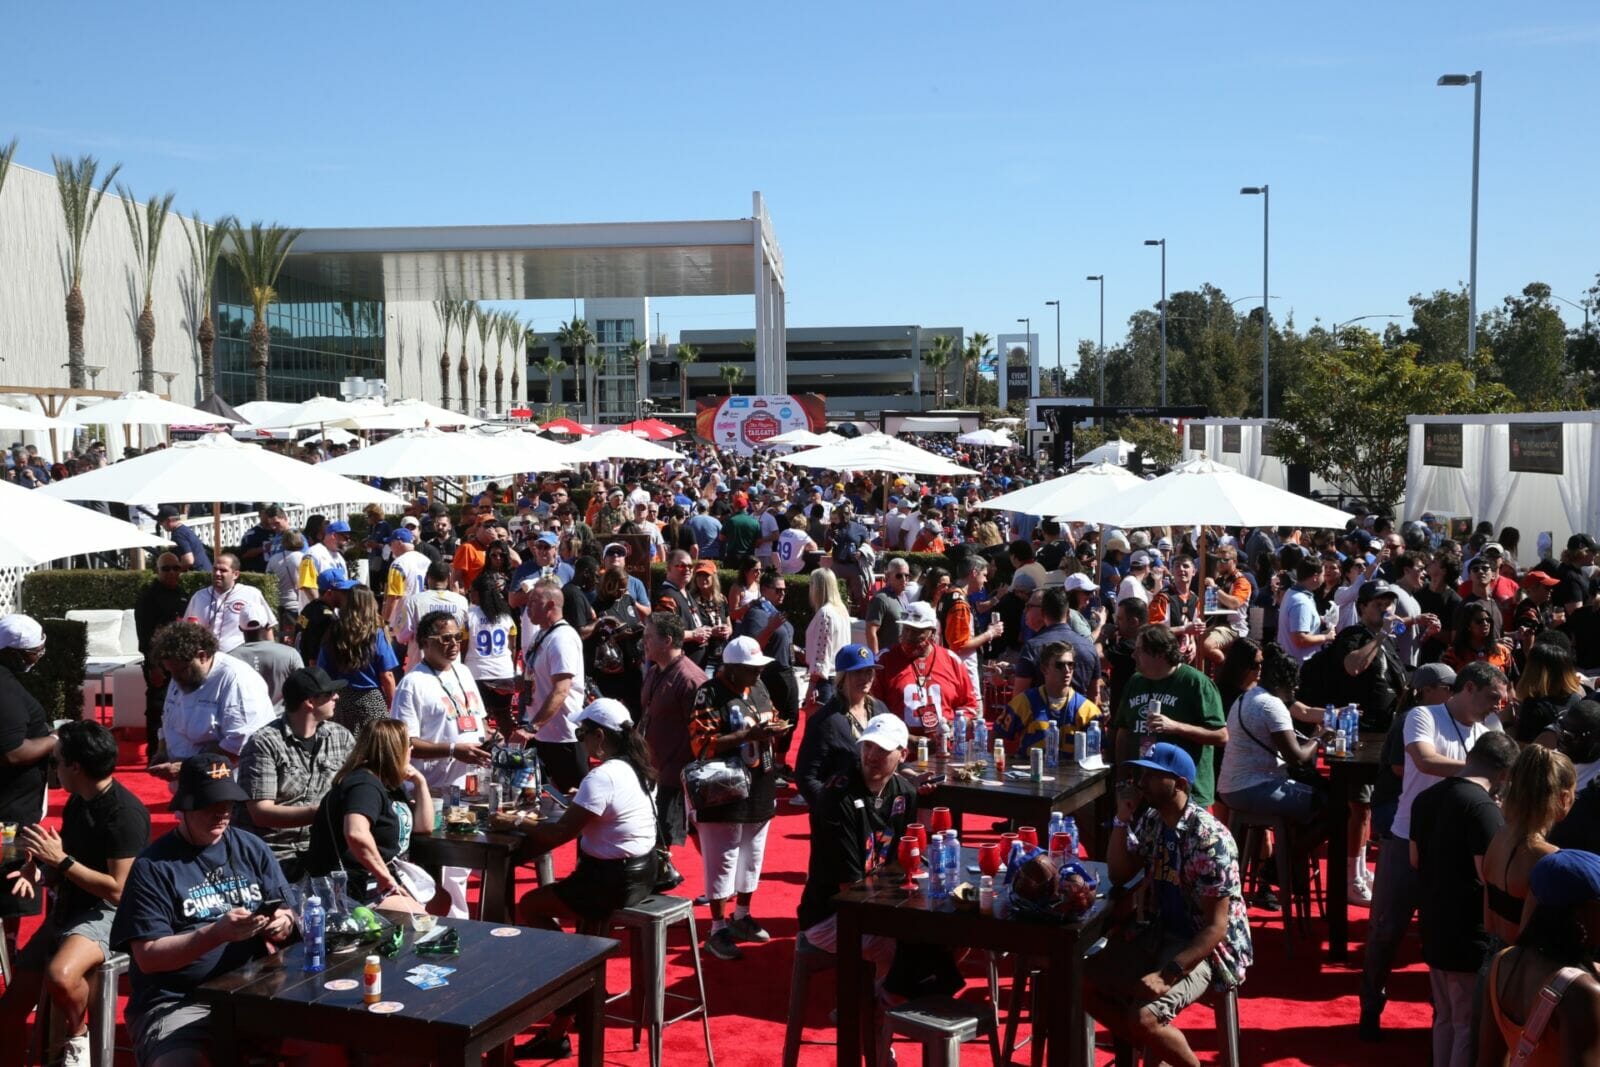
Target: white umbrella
pixel 39 528
pixel 1110 452
pixel 614 444
pixel 321 411
pixel 143 409
pixel 25 421
pixel 334 436
pixel 258 411
pixel 988 438
pixel 415 415
pixel 801 438
pixel 1206 493
pixel 429 454
pixel 533 454
pixel 1060 495
pixel 876 452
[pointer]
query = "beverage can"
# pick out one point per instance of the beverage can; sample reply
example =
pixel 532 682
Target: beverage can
pixel 922 751
pixel 999 759
pixel 1036 764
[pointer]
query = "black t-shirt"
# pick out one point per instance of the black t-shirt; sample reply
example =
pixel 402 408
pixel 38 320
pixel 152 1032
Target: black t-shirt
pixel 1386 790
pixel 22 719
pixel 113 825
pixel 1581 828
pixel 1377 689
pixel 853 833
pixel 575 606
pixel 1451 822
pixel 1537 714
pixel 358 793
pixel 315 620
pixel 175 887
pixel 1583 627
pixel 1444 605
pixel 1574 586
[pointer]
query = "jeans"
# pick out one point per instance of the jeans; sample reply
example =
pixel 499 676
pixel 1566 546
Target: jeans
pixel 1394 902
pixel 1453 996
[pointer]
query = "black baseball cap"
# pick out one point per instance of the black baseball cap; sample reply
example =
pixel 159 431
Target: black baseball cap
pixel 204 780
pixel 1581 542
pixel 309 682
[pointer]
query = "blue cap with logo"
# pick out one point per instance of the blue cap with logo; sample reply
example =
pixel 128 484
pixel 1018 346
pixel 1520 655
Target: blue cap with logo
pixel 332 579
pixel 854 658
pixel 1168 759
pixel 403 534
pixel 337 526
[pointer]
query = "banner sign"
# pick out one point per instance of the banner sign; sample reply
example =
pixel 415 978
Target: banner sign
pixel 742 423
pixel 1019 383
pixel 1441 446
pixel 1232 439
pixel 1269 439
pixel 1536 448
pixel 1197 437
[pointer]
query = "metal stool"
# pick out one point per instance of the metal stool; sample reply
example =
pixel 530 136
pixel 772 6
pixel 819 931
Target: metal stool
pixel 1225 1002
pixel 5 959
pixel 941 1025
pixel 808 960
pixel 648 922
pixel 1253 824
pixel 102 1013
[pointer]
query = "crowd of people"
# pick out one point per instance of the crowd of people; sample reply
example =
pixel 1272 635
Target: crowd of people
pixel 632 622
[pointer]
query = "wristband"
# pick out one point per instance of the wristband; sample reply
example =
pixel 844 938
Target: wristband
pixel 66 864
pixel 1118 822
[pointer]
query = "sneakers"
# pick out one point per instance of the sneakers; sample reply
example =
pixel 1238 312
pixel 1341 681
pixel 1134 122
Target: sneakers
pixel 747 929
pixel 75 1053
pixel 723 945
pixel 797 801
pixel 1361 886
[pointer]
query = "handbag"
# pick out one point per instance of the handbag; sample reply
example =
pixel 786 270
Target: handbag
pixel 709 783
pixel 668 877
pixel 1304 773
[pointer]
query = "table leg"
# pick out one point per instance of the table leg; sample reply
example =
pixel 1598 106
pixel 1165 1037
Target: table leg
pixel 590 1023
pixel 1064 987
pixel 498 880
pixel 850 993
pixel 225 1034
pixel 1338 888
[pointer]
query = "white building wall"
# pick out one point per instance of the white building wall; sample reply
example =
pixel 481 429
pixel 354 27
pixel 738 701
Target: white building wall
pixel 413 339
pixel 33 293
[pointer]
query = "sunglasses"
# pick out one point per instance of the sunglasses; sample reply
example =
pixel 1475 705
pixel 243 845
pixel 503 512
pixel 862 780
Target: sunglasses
pixel 446 639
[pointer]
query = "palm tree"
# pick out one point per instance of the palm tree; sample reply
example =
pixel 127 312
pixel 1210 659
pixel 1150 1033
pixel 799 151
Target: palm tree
pixel 732 374
pixel 465 313
pixel 446 310
pixel 483 319
pixel 146 230
pixel 576 337
pixel 205 249
pixel 972 359
pixel 507 330
pixel 6 155
pixel 594 359
pixel 552 367
pixel 80 203
pixel 528 340
pixel 258 255
pixel 686 355
pixel 938 358
pixel 635 355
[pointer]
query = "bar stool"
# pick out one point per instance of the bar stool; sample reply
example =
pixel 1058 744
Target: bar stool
pixel 5 959
pixel 941 1024
pixel 1224 1001
pixel 1253 824
pixel 102 1013
pixel 648 923
pixel 808 960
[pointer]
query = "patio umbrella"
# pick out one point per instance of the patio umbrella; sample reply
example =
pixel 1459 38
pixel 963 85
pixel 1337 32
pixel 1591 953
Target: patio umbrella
pixel 613 444
pixel 39 529
pixel 988 438
pixel 323 411
pixel 1059 495
pixel 407 415
pixel 651 429
pixel 430 454
pixel 1206 493
pixel 799 439
pixel 22 420
pixel 876 452
pixel 566 426
pixel 143 409
pixel 216 468
pixel 533 454
pixel 1110 452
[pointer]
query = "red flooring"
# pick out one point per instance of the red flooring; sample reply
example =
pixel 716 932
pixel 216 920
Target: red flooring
pixel 1299 1011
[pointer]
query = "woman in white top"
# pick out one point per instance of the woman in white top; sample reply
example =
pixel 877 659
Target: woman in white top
pixel 1353 574
pixel 488 641
pixel 827 633
pixel 793 544
pixel 1261 738
pixel 746 589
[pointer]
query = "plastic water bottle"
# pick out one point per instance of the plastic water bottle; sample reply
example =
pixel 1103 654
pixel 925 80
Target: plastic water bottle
pixel 314 920
pixel 1069 826
pixel 958 739
pixel 1352 723
pixel 1052 745
pixel 937 890
pixel 952 859
pixel 980 735
pixel 1090 749
pixel 1055 824
pixel 1341 746
pixel 1002 893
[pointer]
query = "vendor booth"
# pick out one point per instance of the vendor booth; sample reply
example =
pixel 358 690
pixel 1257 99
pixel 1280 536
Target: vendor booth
pixel 1246 446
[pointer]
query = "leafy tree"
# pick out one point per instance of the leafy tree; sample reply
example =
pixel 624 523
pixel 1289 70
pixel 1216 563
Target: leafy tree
pixel 483 319
pixel 146 229
pixel 732 374
pixel 258 254
pixel 552 367
pixel 1439 326
pixel 446 311
pixel 938 357
pixel 466 315
pixel 1530 349
pixel 687 355
pixel 205 249
pixel 973 357
pixel 80 203
pixel 576 337
pixel 1345 416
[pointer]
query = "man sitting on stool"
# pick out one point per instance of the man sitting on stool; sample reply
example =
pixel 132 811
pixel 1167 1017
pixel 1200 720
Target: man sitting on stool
pixel 1200 936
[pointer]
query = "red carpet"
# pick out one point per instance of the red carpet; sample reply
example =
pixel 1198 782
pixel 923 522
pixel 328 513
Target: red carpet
pixel 1298 1011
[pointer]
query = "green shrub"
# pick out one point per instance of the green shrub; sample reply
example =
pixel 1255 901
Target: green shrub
pixel 51 594
pixel 57 680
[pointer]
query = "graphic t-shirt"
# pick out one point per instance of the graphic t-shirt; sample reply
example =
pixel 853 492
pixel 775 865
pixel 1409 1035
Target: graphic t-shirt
pixel 175 887
pixel 114 825
pixel 22 718
pixel 853 833
pixel 441 706
pixel 922 692
pixel 1185 696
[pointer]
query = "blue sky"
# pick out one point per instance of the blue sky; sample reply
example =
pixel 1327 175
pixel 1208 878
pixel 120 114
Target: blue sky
pixel 939 163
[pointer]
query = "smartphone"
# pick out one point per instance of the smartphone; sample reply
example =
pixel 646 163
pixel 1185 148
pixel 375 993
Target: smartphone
pixel 269 908
pixel 561 801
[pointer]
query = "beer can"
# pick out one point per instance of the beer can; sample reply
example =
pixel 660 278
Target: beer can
pixel 922 751
pixel 1036 764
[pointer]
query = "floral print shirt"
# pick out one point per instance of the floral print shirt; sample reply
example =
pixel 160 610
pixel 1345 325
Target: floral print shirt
pixel 1189 866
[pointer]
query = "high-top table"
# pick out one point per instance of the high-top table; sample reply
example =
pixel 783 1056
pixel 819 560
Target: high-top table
pixel 1345 775
pixel 1066 788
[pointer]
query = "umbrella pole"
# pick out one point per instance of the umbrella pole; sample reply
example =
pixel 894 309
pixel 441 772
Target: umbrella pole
pixel 216 529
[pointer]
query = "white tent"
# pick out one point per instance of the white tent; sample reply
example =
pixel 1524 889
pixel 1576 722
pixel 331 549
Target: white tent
pixel 929 424
pixel 1111 452
pixel 428 454
pixel 323 411
pixel 876 452
pixel 531 452
pixel 39 528
pixel 614 444
pixel 408 415
pixel 143 409
pixel 988 438
pixel 799 439
pixel 1246 446
pixel 1206 493
pixel 25 421
pixel 1060 495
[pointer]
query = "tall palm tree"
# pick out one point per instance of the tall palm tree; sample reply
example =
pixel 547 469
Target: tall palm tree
pixel 732 374
pixel 80 203
pixel 205 249
pixel 528 340
pixel 938 357
pixel 506 330
pixel 552 367
pixel 976 352
pixel 687 355
pixel 483 319
pixel 576 337
pixel 258 254
pixel 636 355
pixel 465 314
pixel 7 153
pixel 446 310
pixel 146 230
pixel 593 360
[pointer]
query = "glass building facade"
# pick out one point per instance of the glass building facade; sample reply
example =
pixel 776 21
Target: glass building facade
pixel 617 382
pixel 319 338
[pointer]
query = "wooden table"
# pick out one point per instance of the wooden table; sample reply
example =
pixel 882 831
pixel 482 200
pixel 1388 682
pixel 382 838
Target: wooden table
pixel 1346 774
pixel 1030 803
pixel 501 987
pixel 493 852
pixel 880 906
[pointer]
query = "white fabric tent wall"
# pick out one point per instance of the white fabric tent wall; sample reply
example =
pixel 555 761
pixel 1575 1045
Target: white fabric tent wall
pixel 1249 460
pixel 1484 487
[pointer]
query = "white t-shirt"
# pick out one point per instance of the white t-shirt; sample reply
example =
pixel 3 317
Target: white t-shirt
pixel 223 613
pixel 1452 740
pixel 285 566
pixel 1247 763
pixel 418 605
pixel 624 826
pixel 560 653
pixel 637 497
pixel 791 551
pixel 440 706
pixel 231 704
pixel 488 653
pixel 318 558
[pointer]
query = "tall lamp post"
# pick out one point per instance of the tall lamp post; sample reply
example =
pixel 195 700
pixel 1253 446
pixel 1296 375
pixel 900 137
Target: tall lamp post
pixel 1163 243
pixel 1061 378
pixel 1475 79
pixel 1266 315
pixel 1101 278
pixel 1583 307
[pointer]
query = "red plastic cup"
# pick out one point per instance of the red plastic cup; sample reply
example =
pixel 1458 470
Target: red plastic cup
pixel 910 858
pixel 1006 841
pixel 1028 835
pixel 1061 844
pixel 989 858
pixel 920 832
pixel 940 821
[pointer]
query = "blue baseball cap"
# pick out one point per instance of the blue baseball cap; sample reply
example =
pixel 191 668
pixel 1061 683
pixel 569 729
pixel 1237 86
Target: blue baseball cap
pixel 548 538
pixel 337 526
pixel 332 579
pixel 1566 879
pixel 1168 759
pixel 854 658
pixel 403 534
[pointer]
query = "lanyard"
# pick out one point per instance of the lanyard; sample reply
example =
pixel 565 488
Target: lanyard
pixel 455 708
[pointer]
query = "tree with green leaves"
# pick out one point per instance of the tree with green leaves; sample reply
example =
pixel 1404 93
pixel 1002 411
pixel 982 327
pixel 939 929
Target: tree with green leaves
pixel 575 337
pixel 445 309
pixel 483 319
pixel 206 244
pixel 1345 417
pixel 1154 438
pixel 1439 326
pixel 507 331
pixel 594 360
pixel 529 341
pixel 732 374
pixel 258 254
pixel 466 314
pixel 686 355
pixel 80 203
pixel 972 360
pixel 553 366
pixel 1528 340
pixel 937 358
pixel 145 228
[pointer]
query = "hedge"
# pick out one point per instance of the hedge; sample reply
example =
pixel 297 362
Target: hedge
pixel 51 594
pixel 56 681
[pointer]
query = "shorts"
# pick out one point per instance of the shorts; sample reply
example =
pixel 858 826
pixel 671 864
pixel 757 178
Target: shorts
pixel 1190 988
pixel 93 924
pixel 1295 801
pixel 599 887
pixel 168 1028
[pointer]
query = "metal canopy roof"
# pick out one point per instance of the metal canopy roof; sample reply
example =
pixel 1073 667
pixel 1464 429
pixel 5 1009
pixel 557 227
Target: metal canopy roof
pixel 424 263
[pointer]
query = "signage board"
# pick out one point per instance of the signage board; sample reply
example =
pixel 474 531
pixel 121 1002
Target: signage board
pixel 1441 446
pixel 742 423
pixel 1536 448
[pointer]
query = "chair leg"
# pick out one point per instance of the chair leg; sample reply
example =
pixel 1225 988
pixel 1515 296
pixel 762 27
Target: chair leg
pixel 1228 1028
pixel 1280 853
pixel 700 985
pixel 102 1018
pixel 799 981
pixel 945 1053
pixel 654 953
pixel 1019 986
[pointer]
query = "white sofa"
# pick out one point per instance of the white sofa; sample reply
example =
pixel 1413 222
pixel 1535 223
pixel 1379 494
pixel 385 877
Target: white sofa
pixel 115 666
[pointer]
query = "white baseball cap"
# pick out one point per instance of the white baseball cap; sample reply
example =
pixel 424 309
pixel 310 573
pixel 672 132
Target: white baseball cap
pixel 612 714
pixel 919 616
pixel 1077 582
pixel 744 652
pixel 887 732
pixel 20 631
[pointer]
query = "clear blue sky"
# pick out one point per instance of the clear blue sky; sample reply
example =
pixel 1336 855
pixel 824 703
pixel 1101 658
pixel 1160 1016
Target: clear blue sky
pixel 940 164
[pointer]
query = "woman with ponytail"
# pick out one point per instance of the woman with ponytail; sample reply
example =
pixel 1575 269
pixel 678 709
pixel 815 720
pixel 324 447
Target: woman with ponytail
pixel 1539 794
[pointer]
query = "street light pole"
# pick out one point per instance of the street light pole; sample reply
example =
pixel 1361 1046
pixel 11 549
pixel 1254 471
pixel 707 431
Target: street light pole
pixel 1163 243
pixel 1101 278
pixel 1061 378
pixel 1475 79
pixel 1266 315
pixel 1583 307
